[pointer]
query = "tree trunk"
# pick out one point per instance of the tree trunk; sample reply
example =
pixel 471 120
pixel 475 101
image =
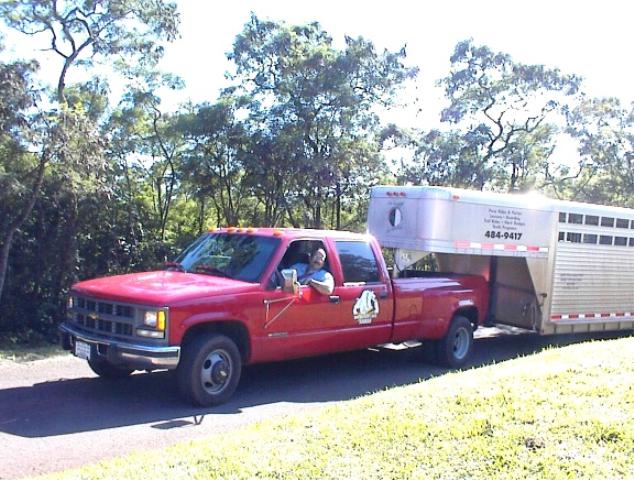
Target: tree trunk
pixel 513 177
pixel 318 209
pixel 68 254
pixel 338 206
pixel 202 212
pixel 289 213
pixel 20 219
pixel 4 257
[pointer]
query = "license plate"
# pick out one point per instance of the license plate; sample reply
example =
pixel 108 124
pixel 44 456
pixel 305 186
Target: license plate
pixel 82 350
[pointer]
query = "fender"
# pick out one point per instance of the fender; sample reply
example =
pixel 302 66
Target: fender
pixel 209 318
pixel 246 309
pixel 441 305
pixel 219 322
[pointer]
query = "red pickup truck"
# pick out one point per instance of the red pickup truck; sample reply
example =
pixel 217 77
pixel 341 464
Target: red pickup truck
pixel 230 300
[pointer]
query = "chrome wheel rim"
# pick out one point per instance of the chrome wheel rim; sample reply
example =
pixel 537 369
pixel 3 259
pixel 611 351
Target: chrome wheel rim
pixel 216 371
pixel 461 344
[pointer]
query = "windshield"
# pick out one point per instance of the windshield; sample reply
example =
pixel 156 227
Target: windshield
pixel 241 257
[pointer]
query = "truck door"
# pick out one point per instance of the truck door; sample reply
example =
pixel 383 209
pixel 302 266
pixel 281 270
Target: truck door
pixel 302 325
pixel 365 295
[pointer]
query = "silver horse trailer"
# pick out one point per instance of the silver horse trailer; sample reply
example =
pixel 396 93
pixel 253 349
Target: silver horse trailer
pixel 552 266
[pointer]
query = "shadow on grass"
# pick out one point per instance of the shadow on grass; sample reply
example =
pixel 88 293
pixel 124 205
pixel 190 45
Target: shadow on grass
pixel 88 404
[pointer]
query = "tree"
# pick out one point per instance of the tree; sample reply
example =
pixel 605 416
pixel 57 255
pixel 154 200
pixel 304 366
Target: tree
pixel 321 100
pixel 96 30
pixel 21 173
pixel 213 164
pixel 271 174
pixel 498 103
pixel 443 158
pixel 604 130
pixel 82 34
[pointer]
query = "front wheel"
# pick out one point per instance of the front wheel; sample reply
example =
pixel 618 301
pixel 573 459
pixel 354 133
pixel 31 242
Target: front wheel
pixel 107 370
pixel 454 349
pixel 209 370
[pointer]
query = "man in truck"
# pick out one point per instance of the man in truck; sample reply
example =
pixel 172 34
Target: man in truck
pixel 314 274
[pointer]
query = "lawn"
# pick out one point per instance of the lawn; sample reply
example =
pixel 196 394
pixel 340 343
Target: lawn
pixel 19 352
pixel 565 413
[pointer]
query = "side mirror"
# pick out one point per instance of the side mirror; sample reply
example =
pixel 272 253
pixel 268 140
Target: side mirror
pixel 290 284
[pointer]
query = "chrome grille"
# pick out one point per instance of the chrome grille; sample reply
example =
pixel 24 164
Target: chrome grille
pixel 109 319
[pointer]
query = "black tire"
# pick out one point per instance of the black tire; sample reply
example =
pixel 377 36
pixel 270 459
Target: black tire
pixel 107 370
pixel 454 349
pixel 209 370
pixel 428 352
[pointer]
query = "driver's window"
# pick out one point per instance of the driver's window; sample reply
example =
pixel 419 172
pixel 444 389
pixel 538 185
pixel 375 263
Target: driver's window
pixel 299 251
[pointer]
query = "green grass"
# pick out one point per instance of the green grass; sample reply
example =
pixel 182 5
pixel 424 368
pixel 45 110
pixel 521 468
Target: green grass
pixel 565 413
pixel 18 352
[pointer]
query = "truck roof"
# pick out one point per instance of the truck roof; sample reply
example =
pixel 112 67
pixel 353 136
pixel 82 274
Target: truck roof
pixel 294 233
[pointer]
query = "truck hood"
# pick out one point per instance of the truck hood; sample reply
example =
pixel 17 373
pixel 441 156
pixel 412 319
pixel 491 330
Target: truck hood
pixel 160 288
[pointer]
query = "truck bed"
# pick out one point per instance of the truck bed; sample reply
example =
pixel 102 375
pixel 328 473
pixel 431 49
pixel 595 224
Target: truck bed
pixel 426 302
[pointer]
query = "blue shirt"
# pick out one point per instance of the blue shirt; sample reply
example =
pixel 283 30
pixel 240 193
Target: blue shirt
pixel 302 277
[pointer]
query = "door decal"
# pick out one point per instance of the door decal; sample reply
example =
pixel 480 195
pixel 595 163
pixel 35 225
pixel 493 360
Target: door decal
pixel 366 308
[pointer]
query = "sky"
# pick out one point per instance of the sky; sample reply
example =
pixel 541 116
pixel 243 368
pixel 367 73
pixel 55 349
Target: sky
pixel 589 38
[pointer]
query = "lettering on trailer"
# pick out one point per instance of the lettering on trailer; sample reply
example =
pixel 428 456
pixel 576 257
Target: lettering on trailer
pixel 571 281
pixel 504 223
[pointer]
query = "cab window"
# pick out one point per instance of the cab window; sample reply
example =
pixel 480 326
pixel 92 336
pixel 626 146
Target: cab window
pixel 299 251
pixel 358 262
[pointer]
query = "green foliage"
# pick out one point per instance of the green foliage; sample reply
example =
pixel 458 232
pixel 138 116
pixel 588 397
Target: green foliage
pixel 27 348
pixel 605 132
pixel 82 32
pixel 443 158
pixel 214 162
pixel 57 153
pixel 16 100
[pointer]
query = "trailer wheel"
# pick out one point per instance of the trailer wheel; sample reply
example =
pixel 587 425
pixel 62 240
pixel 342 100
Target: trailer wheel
pixel 107 370
pixel 454 349
pixel 209 370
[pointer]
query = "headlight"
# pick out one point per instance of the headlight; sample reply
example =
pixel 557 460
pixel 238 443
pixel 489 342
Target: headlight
pixel 70 303
pixel 154 319
pixel 150 319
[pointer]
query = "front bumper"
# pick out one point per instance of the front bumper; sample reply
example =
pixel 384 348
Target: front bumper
pixel 135 356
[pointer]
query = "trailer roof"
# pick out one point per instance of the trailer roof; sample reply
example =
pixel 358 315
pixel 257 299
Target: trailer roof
pixel 531 200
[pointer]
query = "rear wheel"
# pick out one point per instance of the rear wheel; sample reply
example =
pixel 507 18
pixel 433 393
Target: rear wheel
pixel 209 370
pixel 107 370
pixel 454 349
